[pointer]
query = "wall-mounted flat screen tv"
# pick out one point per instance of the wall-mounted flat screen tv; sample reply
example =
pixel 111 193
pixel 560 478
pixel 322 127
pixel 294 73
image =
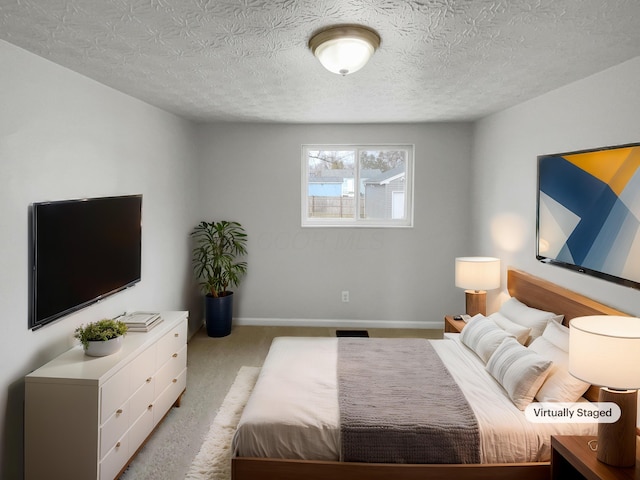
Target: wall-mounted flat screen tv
pixel 588 216
pixel 82 251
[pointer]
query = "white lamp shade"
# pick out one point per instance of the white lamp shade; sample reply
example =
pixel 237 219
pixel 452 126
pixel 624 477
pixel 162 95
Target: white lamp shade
pixel 477 273
pixel 604 350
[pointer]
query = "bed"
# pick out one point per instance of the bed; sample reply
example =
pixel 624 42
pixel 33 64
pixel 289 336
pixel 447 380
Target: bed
pixel 285 451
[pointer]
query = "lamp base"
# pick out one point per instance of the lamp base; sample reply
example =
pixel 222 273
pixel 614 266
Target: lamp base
pixel 476 302
pixel 617 441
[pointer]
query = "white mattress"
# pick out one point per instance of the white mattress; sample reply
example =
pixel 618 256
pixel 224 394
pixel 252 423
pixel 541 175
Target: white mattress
pixel 293 410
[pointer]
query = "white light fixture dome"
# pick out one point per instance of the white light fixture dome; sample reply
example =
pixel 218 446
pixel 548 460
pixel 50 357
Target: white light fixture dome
pixel 344 49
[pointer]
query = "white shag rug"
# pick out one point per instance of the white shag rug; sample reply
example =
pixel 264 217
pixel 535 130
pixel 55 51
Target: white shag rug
pixel 213 461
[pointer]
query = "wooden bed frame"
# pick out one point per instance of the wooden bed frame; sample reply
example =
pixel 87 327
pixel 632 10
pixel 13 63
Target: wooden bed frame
pixel 533 291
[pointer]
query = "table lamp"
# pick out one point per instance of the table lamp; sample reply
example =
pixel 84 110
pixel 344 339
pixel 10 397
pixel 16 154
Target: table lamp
pixel 604 350
pixel 476 275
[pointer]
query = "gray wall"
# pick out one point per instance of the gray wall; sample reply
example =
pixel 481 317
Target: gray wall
pixel 597 111
pixel 251 173
pixel 63 136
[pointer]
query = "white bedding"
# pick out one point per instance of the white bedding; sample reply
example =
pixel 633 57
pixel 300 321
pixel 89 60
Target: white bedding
pixel 293 410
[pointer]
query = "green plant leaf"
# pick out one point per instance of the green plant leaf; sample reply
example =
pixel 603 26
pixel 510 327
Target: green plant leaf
pixel 217 248
pixel 102 330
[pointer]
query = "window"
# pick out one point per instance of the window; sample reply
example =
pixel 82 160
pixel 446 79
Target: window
pixel 357 185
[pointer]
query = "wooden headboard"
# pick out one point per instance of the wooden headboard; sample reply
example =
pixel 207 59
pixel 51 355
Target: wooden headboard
pixel 538 293
pixel 542 294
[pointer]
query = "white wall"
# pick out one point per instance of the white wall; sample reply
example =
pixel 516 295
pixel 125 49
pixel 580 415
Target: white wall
pixel 65 136
pixel 597 111
pixel 251 173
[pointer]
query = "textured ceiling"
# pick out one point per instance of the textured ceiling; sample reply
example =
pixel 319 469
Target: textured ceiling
pixel 247 60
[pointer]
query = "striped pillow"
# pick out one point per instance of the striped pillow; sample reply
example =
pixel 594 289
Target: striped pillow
pixel 519 370
pixel 483 336
pixel 521 333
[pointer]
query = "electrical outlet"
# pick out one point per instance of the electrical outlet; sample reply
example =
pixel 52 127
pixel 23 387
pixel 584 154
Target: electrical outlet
pixel 345 296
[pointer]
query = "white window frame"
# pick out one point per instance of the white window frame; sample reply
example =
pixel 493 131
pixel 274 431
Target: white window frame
pixel 356 221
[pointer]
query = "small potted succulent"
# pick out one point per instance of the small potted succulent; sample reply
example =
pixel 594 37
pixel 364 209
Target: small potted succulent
pixel 101 338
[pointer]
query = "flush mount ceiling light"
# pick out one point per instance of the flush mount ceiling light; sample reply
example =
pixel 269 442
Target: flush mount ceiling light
pixel 344 49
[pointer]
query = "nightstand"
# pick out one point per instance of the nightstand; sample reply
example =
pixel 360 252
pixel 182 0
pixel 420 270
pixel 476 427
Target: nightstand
pixel 571 458
pixel 453 326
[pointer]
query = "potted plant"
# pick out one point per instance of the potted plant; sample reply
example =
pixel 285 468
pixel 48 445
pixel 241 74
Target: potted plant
pixel 101 338
pixel 215 263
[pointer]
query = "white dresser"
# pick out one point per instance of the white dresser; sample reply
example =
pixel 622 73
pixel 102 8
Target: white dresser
pixel 87 417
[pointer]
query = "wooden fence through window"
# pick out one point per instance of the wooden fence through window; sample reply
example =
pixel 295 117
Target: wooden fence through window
pixel 333 207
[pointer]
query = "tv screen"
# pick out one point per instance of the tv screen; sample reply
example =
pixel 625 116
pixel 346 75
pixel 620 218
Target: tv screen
pixel 83 251
pixel 588 216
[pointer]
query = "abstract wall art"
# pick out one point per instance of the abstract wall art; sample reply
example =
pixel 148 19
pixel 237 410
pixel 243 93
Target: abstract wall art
pixel 588 215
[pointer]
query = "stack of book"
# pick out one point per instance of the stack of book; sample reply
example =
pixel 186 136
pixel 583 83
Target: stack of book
pixel 141 321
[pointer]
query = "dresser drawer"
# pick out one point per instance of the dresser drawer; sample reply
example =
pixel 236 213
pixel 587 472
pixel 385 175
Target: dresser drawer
pixel 140 429
pixel 171 343
pixel 115 459
pixel 170 370
pixel 143 367
pixel 142 398
pixel 114 428
pixel 115 392
pixel 169 396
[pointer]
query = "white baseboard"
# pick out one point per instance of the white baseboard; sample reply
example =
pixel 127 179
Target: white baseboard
pixel 336 323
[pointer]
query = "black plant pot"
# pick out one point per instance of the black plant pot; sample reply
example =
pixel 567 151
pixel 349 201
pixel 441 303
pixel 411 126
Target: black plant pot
pixel 218 315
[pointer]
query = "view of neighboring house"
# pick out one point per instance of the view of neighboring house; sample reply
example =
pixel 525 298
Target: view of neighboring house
pixel 325 186
pixel 385 194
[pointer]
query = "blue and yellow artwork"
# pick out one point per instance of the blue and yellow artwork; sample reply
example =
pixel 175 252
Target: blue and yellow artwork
pixel 589 210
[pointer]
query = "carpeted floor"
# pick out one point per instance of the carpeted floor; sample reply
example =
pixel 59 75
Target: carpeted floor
pixel 212 366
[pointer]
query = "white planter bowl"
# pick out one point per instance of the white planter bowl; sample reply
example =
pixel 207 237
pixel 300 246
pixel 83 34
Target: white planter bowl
pixel 104 348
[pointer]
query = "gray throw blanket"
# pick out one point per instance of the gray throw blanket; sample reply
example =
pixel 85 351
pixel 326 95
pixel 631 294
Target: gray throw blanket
pixel 399 404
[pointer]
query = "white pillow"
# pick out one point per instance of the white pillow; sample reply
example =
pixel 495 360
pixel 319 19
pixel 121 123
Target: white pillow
pixel 560 385
pixel 482 336
pixel 519 370
pixel 521 333
pixel 558 335
pixel 473 330
pixel 537 320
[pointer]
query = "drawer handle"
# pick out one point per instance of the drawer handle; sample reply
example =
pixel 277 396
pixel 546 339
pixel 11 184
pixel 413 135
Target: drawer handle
pixel 118 445
pixel 175 355
pixel 176 335
pixel 119 411
pixel 150 407
pixel 149 380
pixel 174 380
